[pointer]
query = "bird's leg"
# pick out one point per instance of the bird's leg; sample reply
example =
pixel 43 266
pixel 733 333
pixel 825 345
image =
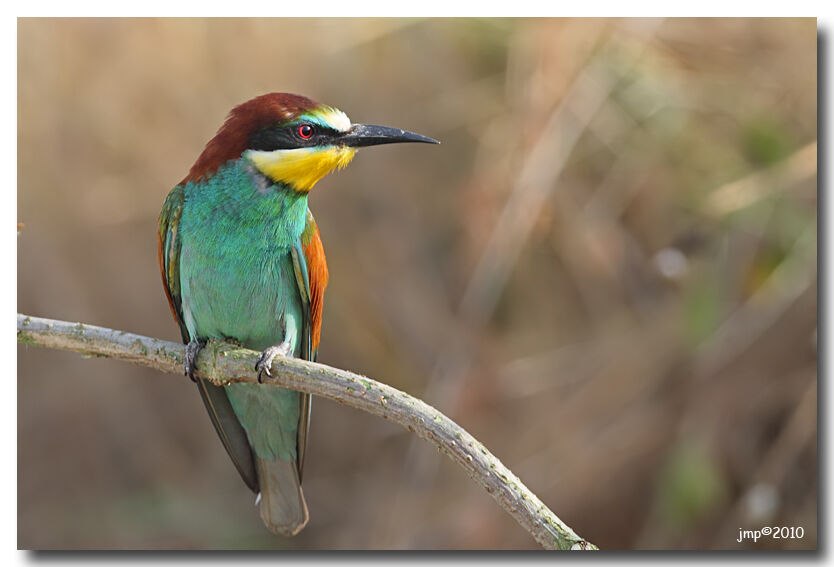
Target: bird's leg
pixel 189 361
pixel 264 362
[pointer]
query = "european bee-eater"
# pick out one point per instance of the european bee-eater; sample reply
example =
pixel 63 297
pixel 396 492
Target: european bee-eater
pixel 242 259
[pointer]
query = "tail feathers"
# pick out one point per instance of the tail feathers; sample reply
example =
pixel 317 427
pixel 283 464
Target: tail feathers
pixel 281 500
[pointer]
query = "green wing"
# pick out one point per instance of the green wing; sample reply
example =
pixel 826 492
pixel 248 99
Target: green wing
pixel 169 253
pixel 302 278
pixel 231 433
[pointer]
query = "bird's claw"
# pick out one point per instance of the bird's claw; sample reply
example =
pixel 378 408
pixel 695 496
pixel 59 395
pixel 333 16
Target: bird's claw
pixel 189 361
pixel 264 362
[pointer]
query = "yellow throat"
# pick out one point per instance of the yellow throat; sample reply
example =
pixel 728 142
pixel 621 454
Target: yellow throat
pixel 301 167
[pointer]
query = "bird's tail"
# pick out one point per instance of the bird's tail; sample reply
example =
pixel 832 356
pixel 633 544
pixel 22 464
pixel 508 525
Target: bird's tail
pixel 281 500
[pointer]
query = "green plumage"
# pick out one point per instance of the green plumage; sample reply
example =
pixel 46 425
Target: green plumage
pixel 235 267
pixel 237 281
pixel 232 262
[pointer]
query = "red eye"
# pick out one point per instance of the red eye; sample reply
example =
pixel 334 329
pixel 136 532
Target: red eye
pixel 305 131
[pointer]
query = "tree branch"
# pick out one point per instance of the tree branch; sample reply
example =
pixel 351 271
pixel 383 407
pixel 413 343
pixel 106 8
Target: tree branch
pixel 224 363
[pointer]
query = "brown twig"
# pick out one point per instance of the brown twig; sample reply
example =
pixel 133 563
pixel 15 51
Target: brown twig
pixel 224 363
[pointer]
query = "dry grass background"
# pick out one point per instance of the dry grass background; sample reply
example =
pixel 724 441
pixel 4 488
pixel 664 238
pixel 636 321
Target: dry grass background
pixel 607 273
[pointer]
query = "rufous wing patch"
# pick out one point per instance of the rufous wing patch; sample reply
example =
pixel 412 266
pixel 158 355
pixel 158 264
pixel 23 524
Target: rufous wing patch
pixel 317 271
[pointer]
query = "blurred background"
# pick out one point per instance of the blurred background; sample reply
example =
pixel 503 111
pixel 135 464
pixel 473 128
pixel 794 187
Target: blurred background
pixel 607 273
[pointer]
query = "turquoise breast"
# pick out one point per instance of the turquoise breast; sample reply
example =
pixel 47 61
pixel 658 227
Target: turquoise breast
pixel 238 282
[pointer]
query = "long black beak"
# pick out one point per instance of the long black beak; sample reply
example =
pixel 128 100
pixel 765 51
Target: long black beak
pixel 371 135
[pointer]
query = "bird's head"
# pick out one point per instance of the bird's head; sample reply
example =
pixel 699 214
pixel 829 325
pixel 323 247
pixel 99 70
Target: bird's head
pixel 292 140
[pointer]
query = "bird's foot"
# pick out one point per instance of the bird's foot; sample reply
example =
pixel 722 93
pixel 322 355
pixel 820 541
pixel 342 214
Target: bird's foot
pixel 264 362
pixel 189 361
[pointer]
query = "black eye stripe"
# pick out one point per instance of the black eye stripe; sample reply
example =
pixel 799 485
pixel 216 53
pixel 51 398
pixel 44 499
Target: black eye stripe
pixel 287 137
pixel 269 139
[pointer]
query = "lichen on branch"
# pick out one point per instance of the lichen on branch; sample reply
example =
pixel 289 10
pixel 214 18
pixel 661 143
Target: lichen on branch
pixel 224 363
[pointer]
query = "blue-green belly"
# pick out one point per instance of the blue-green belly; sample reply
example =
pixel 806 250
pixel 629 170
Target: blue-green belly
pixel 238 281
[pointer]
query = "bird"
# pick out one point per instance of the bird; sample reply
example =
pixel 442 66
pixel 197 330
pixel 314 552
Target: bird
pixel 242 260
